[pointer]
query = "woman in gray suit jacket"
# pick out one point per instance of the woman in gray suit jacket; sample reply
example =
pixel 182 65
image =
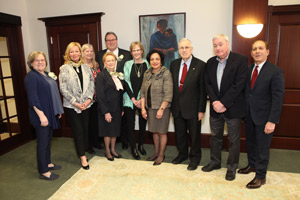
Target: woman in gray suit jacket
pixel 77 88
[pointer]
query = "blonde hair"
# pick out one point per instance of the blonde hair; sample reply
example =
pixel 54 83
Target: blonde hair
pixel 136 43
pixel 89 46
pixel 68 49
pixel 32 55
pixel 108 54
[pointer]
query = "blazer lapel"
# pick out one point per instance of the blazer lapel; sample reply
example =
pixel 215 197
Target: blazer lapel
pixel 109 79
pixel 85 79
pixel 259 77
pixel 74 74
pixel 189 74
pixel 176 75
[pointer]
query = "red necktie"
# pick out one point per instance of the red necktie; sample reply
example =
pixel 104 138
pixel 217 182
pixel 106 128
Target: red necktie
pixel 254 76
pixel 183 75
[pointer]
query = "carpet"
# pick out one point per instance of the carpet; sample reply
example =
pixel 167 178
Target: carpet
pixel 130 179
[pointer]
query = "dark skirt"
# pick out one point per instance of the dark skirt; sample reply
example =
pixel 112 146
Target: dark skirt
pixel 112 129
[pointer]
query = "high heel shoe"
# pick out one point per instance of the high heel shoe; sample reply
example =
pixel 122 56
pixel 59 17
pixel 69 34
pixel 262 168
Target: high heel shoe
pixel 87 166
pixel 116 156
pixel 152 158
pixel 110 159
pixel 141 149
pixel 158 163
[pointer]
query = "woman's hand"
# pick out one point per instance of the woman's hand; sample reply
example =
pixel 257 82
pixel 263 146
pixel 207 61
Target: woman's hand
pixel 108 117
pixel 86 103
pixel 80 106
pixel 159 114
pixel 44 120
pixel 138 104
pixel 59 116
pixel 144 113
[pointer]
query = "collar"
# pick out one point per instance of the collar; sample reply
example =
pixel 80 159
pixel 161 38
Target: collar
pixel 225 60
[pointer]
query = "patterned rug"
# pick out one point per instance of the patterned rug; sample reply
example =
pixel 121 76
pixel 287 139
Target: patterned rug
pixel 130 179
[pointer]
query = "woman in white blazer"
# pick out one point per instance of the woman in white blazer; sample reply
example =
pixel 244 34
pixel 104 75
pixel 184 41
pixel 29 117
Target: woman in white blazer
pixel 77 88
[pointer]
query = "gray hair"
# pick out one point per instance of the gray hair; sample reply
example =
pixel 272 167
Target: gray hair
pixel 221 35
pixel 185 40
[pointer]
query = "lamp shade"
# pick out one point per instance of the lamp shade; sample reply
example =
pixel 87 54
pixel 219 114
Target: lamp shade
pixel 249 30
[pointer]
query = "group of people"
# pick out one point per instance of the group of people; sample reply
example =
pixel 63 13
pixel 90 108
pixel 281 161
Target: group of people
pixel 114 84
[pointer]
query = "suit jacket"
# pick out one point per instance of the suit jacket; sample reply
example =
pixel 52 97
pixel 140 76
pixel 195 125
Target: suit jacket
pixel 192 99
pixel 70 86
pixel 109 98
pixel 120 64
pixel 265 100
pixel 233 82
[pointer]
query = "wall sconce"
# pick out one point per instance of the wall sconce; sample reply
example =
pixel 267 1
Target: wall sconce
pixel 249 30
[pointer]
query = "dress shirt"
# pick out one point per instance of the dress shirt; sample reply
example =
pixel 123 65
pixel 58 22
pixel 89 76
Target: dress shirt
pixel 188 63
pixel 220 70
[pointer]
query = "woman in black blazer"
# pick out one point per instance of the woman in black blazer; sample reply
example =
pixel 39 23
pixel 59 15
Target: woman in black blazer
pixel 109 91
pixel 45 109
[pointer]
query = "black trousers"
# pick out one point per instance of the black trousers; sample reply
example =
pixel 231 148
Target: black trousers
pixel 44 136
pixel 130 119
pixel 258 147
pixel 79 123
pixel 216 140
pixel 185 128
pixel 94 140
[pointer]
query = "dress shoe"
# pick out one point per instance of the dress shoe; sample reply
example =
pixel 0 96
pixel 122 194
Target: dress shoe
pixel 158 163
pixel 50 178
pixel 256 183
pixel 110 159
pixel 141 149
pixel 91 151
pixel 86 167
pixel 124 146
pixel 135 154
pixel 230 175
pixel 246 170
pixel 210 167
pixel 116 156
pixel 55 167
pixel 192 166
pixel 152 158
pixel 178 160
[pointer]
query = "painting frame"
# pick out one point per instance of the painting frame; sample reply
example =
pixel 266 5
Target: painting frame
pixel 149 28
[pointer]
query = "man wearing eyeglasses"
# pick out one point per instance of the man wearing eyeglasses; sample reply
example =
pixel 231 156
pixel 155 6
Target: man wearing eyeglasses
pixel 111 42
pixel 188 104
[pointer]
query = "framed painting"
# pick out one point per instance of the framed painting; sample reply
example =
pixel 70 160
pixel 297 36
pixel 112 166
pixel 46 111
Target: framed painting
pixel 162 32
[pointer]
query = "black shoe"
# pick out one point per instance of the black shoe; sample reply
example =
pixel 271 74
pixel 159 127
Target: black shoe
pixel 55 167
pixel 230 175
pixel 124 146
pixel 135 154
pixel 52 177
pixel 110 159
pixel 141 149
pixel 210 167
pixel 116 156
pixel 179 159
pixel 246 170
pixel 91 151
pixel 86 167
pixel 152 158
pixel 192 166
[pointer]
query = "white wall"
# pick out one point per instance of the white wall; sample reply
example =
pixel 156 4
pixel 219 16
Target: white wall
pixel 283 2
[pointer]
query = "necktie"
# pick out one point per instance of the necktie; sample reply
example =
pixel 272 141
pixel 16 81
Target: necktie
pixel 254 76
pixel 183 75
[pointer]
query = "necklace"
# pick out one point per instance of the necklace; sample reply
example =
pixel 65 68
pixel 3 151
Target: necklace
pixel 138 69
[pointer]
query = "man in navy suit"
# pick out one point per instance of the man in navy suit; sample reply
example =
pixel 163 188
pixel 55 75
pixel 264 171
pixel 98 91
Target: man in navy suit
pixel 111 42
pixel 189 103
pixel 225 79
pixel 264 94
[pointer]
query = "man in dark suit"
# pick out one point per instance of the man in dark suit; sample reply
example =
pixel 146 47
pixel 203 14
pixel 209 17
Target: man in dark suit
pixel 225 79
pixel 189 103
pixel 111 42
pixel 264 94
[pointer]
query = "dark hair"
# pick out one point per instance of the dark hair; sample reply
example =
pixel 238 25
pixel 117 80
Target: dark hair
pixel 266 43
pixel 153 51
pixel 110 33
pixel 163 23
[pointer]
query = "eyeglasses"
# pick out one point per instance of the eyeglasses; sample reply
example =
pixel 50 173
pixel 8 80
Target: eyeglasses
pixel 110 40
pixel 136 50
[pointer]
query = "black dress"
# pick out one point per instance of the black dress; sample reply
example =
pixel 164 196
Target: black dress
pixel 110 100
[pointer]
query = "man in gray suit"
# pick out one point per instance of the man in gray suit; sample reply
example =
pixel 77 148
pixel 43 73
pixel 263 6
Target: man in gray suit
pixel 264 94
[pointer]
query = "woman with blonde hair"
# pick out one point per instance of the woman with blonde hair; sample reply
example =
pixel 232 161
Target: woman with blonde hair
pixel 77 88
pixel 88 55
pixel 134 72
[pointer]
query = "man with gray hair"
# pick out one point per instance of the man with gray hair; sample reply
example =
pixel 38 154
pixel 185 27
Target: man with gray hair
pixel 225 79
pixel 188 104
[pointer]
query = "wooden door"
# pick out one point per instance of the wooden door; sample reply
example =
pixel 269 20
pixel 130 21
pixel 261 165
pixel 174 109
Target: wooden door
pixel 284 41
pixel 15 128
pixel 61 31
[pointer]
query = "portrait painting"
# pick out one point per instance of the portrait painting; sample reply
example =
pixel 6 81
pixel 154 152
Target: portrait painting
pixel 162 32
